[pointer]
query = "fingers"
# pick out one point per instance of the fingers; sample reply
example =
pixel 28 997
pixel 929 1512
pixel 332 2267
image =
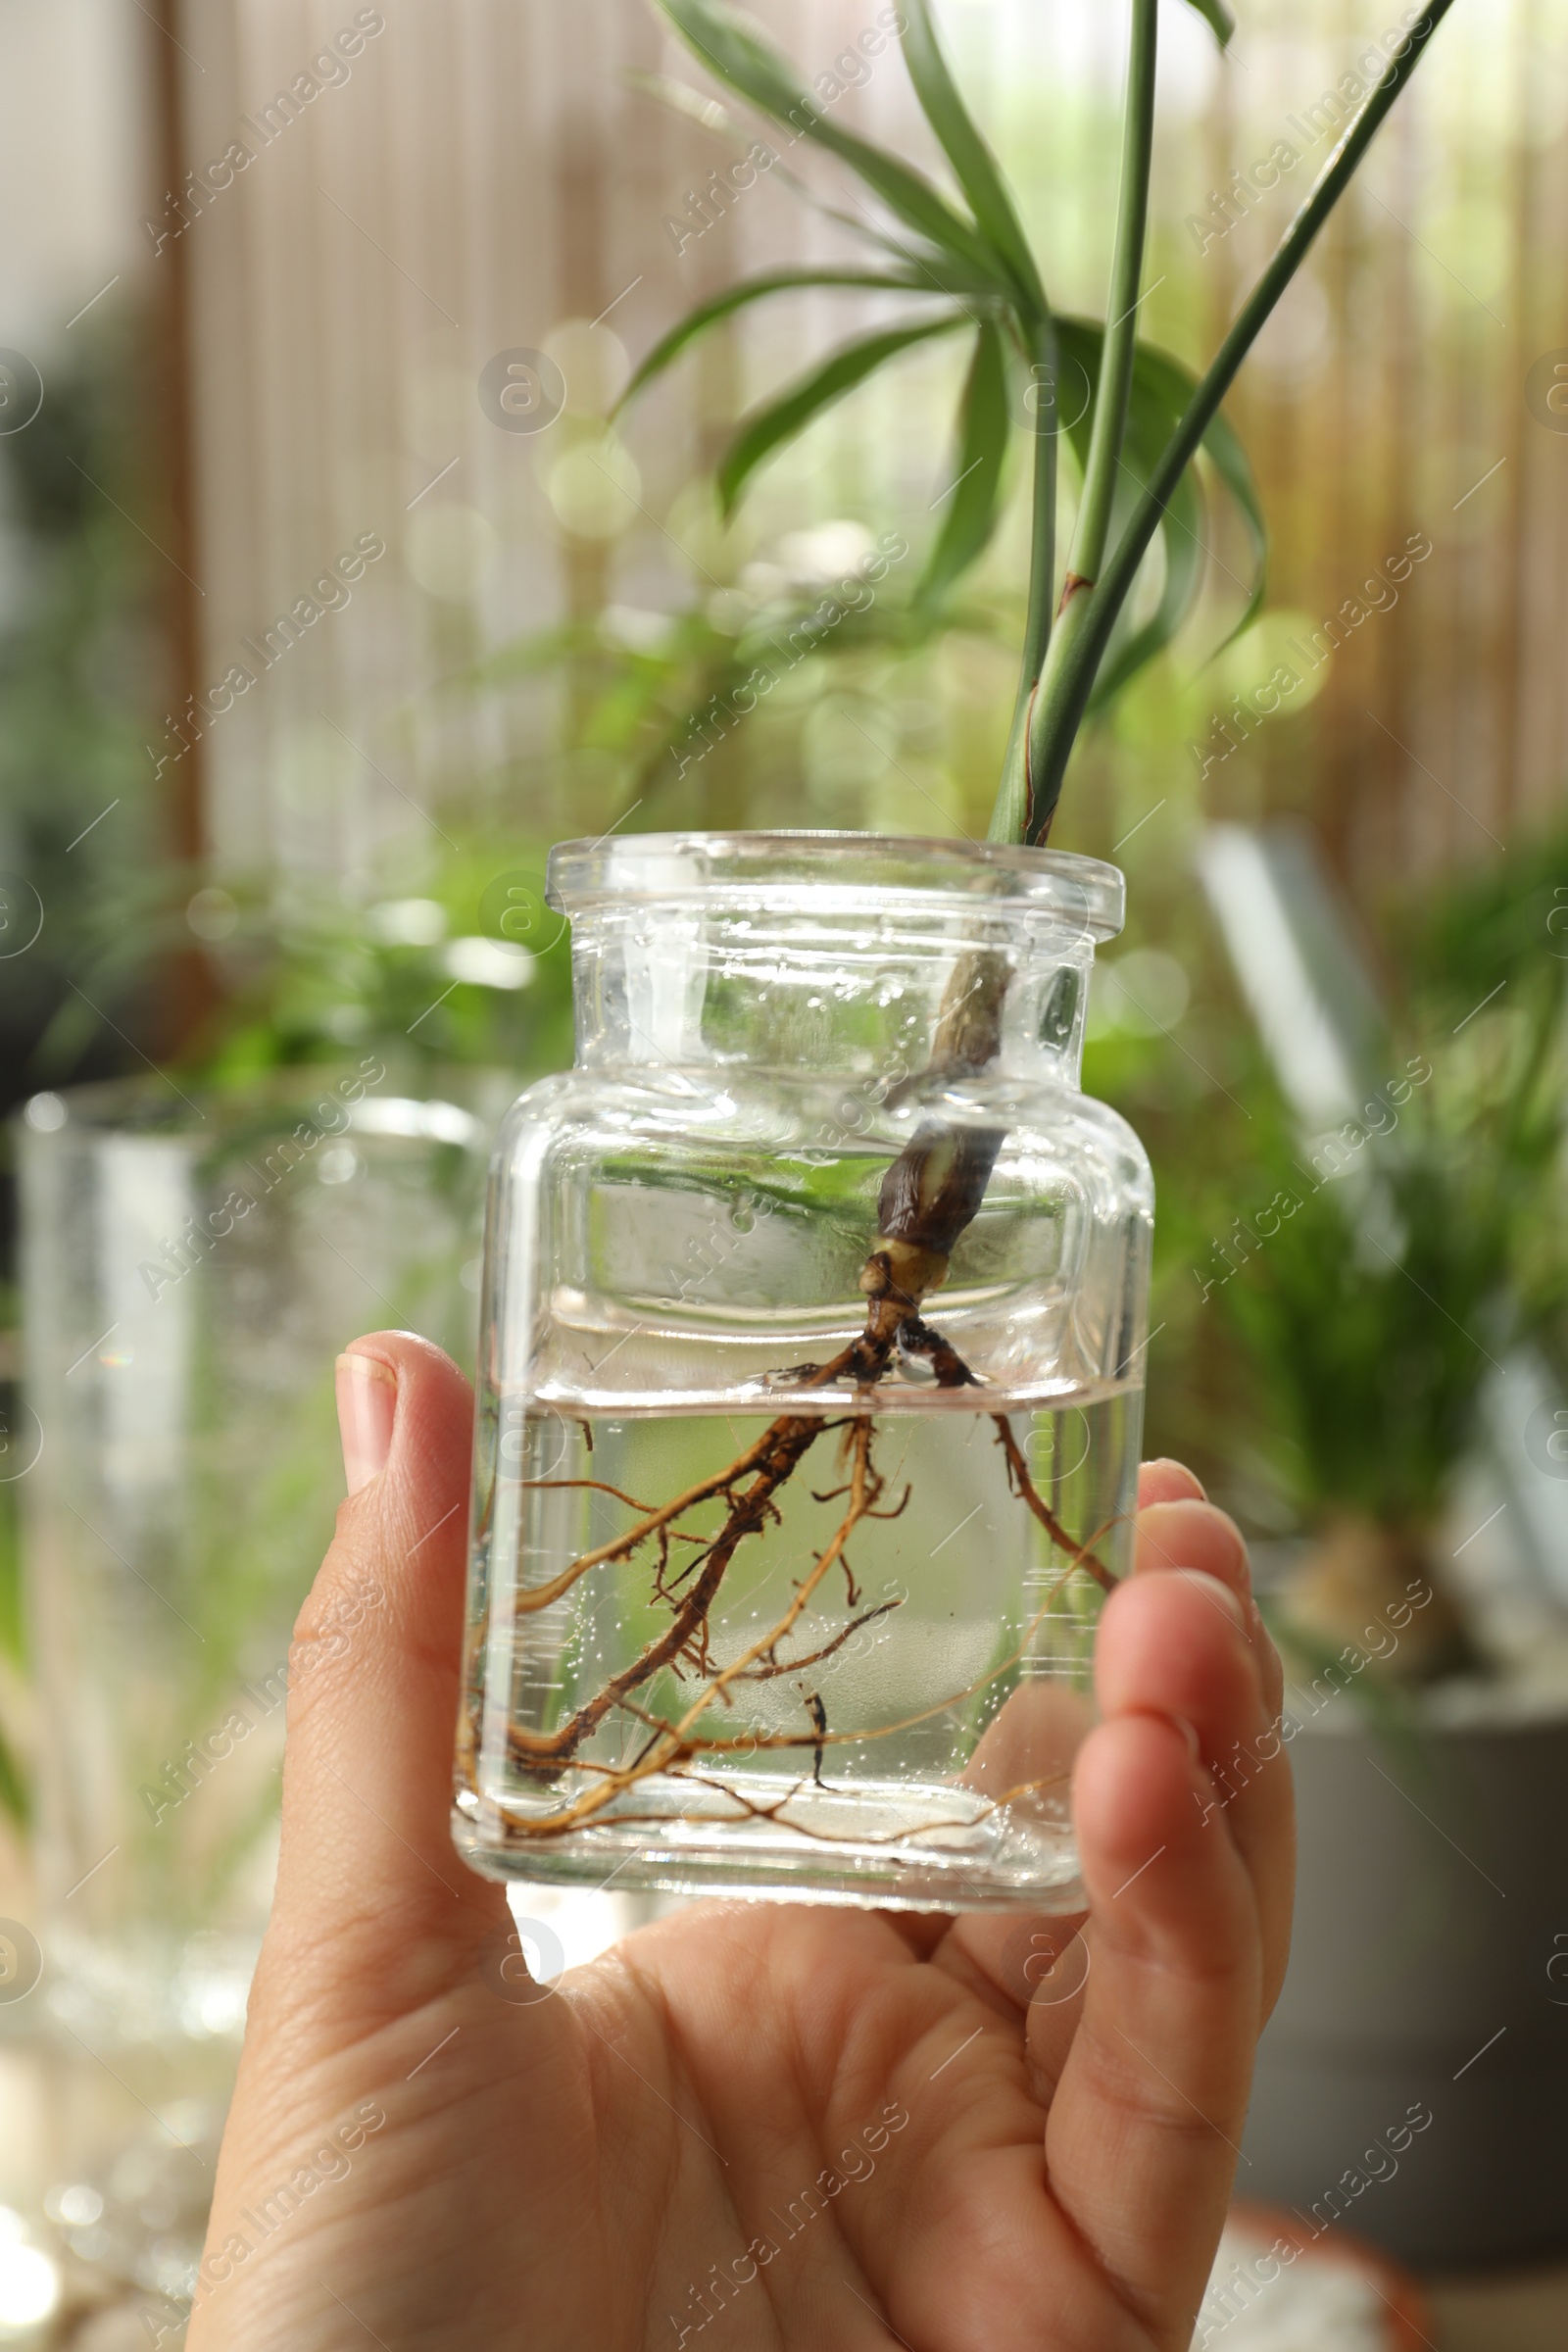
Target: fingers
pixel 1187 1532
pixel 1165 1481
pixel 1251 1781
pixel 1142 2135
pixel 1189 1918
pixel 1013 1960
pixel 367 1872
pixel 1008 1958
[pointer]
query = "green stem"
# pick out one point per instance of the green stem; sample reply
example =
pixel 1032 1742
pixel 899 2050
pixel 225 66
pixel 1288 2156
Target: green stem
pixel 1063 697
pixel 1009 817
pixel 1109 425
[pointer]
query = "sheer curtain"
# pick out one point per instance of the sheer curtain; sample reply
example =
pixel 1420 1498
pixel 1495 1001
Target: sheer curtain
pixel 429 185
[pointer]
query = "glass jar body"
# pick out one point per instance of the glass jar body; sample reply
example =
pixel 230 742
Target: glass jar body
pixel 757 1601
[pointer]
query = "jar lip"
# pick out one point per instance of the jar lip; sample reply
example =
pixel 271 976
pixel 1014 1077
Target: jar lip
pixel 863 868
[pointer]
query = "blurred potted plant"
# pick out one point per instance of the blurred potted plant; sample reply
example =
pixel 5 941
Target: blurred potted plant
pixel 80 665
pixel 1393 1289
pixel 1395 1268
pixel 316 1158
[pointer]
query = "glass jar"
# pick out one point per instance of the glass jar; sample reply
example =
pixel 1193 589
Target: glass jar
pixel 810 1380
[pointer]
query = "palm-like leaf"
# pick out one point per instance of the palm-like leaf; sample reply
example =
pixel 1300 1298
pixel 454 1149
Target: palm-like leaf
pixel 973 164
pixel 731 46
pixel 1169 389
pixel 976 492
pixel 982 259
pixel 1219 17
pixel 770 427
pixel 934 268
pixel 1161 388
pixel 735 298
pixel 1081 342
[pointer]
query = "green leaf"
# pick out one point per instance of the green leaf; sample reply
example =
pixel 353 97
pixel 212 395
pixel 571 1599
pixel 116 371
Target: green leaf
pixel 930 271
pixel 976 167
pixel 971 517
pixel 1170 388
pixel 1219 17
pixel 1161 388
pixel 1150 419
pixel 1231 463
pixel 782 418
pixel 730 46
pixel 937 273
pixel 1184 571
pixel 1080 344
pixel 756 289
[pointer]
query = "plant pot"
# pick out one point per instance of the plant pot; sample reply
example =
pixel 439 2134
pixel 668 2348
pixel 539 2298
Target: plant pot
pixel 1429 1974
pixel 810 1381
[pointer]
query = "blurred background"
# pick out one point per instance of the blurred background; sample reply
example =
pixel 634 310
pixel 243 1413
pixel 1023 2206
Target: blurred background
pixel 312 641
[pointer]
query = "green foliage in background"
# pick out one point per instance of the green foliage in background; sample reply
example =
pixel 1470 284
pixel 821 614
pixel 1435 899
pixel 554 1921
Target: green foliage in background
pixel 470 970
pixel 1332 1354
pixel 1374 1311
pixel 1502 926
pixel 1375 1280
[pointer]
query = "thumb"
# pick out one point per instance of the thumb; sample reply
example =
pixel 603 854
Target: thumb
pixel 370 1892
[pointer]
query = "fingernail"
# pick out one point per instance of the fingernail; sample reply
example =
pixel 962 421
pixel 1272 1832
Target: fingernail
pixel 1219 1594
pixel 1189 1732
pixel 1167 1462
pixel 367 1407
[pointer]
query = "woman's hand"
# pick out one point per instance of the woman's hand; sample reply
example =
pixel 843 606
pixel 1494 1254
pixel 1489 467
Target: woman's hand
pixel 791 2125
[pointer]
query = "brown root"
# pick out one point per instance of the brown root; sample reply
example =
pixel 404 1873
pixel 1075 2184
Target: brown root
pixel 672 1746
pixel 1023 1485
pixel 774 1456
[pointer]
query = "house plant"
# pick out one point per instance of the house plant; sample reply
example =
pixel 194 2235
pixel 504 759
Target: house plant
pixel 1398 1301
pixel 821 1079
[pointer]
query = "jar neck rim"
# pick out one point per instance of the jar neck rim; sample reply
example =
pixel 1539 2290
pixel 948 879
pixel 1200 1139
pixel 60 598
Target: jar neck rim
pixel 875 871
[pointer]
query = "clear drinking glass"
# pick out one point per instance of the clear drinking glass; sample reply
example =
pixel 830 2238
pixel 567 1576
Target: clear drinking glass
pixel 810 1380
pixel 191 1268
